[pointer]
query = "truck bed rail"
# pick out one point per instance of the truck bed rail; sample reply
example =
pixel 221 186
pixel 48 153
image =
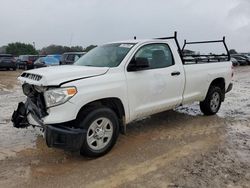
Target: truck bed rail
pixel 196 58
pixel 205 58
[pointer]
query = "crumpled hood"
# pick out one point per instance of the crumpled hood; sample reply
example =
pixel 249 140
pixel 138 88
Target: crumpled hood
pixel 57 75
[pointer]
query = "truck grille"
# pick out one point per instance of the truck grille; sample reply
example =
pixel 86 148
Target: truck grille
pixel 31 76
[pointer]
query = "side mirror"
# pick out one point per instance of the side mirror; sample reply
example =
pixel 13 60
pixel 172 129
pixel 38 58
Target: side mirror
pixel 137 64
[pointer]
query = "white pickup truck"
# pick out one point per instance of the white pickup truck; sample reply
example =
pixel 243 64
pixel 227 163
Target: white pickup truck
pixel 83 107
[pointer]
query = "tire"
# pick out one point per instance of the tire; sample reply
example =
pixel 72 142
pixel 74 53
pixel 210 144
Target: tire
pixel 212 102
pixel 102 130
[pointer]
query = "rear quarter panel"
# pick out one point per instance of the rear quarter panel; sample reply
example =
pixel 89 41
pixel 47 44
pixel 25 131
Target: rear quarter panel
pixel 200 76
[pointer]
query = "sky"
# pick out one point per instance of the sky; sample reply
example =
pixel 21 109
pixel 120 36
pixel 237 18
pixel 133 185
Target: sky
pixel 85 22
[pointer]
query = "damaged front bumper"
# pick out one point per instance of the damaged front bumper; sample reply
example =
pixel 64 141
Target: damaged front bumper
pixel 64 137
pixel 60 135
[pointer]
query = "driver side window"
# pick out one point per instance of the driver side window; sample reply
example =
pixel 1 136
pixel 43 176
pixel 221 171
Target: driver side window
pixel 158 55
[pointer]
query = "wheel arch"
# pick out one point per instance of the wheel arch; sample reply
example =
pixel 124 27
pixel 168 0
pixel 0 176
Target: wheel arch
pixel 219 82
pixel 113 103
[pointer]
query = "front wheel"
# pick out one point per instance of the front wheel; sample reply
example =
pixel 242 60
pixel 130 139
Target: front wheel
pixel 212 102
pixel 102 130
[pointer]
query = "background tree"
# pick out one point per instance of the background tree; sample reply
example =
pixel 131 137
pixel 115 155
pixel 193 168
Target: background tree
pixel 19 48
pixel 232 51
pixel 188 52
pixel 52 49
pixel 3 49
pixel 58 49
pixel 76 49
pixel 90 47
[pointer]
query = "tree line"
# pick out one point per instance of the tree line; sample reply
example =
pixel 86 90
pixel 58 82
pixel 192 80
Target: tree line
pixel 19 48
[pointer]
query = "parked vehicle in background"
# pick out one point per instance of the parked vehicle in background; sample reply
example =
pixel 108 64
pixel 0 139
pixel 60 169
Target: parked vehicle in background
pixel 234 61
pixel 46 62
pixel 243 60
pixel 7 61
pixel 247 55
pixel 26 61
pixel 71 57
pixel 189 59
pixel 244 56
pixel 85 106
pixel 57 56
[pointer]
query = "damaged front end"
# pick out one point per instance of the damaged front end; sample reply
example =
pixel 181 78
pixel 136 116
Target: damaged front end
pixel 32 112
pixel 34 106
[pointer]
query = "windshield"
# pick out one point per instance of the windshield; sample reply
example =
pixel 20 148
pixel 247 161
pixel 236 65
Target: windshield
pixel 109 55
pixel 39 60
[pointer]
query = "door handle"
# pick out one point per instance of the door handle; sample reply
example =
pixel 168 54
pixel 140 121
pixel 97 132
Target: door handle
pixel 176 73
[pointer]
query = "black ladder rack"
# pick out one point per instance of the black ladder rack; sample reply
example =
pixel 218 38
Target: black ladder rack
pixel 204 42
pixel 210 58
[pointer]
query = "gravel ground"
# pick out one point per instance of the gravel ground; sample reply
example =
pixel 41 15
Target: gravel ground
pixel 179 148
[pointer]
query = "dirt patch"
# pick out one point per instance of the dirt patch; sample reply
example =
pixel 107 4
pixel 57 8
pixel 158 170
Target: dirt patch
pixel 180 148
pixel 8 80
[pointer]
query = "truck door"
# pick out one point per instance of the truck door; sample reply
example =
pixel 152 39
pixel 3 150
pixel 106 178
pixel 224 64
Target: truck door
pixel 158 87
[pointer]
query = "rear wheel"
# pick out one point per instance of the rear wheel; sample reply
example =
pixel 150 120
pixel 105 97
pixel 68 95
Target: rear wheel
pixel 212 102
pixel 102 130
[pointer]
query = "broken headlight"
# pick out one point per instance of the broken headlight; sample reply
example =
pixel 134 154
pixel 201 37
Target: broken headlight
pixel 58 96
pixel 28 90
pixel 40 89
